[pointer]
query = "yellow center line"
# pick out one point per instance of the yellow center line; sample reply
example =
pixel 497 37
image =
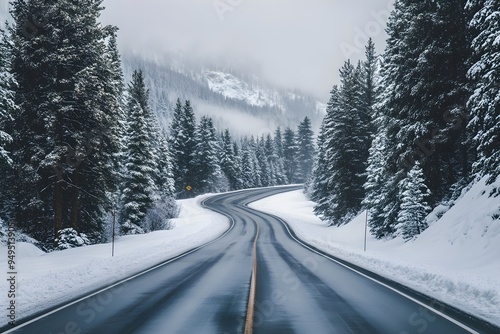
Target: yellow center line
pixel 251 300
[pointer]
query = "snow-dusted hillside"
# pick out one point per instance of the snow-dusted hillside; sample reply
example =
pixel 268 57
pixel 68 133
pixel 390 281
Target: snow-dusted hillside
pixel 231 87
pixel 455 260
pixel 237 101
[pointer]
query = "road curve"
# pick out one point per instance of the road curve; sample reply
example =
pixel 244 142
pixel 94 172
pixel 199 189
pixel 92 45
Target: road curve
pixel 205 290
pixel 298 290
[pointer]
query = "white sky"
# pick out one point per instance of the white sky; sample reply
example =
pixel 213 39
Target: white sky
pixel 294 43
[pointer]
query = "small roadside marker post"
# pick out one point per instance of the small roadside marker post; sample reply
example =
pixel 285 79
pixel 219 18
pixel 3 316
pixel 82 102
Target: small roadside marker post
pixel 113 234
pixel 366 228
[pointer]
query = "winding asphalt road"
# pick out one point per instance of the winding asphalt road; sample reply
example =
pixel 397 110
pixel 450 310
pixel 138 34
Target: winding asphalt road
pixel 296 289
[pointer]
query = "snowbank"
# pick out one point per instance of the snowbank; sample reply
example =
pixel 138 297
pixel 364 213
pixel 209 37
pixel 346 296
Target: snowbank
pixel 45 280
pixel 456 260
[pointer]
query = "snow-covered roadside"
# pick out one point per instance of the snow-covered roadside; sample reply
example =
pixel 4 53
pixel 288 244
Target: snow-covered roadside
pixel 45 280
pixel 456 260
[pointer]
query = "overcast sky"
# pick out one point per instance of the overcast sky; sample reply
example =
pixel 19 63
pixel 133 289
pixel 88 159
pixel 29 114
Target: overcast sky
pixel 294 43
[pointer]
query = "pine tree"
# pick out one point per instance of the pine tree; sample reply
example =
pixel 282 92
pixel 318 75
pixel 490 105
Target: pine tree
pixel 369 95
pixel 339 172
pixel 280 163
pixel 7 108
pixel 306 150
pixel 423 100
pixel 182 143
pixel 275 162
pixel 257 171
pixel 376 181
pixel 317 188
pixel 369 80
pixel 485 76
pixel 322 187
pixel 6 96
pixel 426 90
pixel 377 177
pixel 64 139
pixel 278 142
pixel 238 166
pixel 414 208
pixel 228 161
pixel 164 174
pixel 139 186
pixel 290 151
pixel 248 176
pixel 263 162
pixel 116 89
pixel 208 177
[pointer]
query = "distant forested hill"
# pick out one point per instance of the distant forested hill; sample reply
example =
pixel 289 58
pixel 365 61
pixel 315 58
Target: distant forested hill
pixel 237 101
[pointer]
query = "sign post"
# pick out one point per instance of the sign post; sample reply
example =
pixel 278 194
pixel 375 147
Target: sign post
pixel 366 228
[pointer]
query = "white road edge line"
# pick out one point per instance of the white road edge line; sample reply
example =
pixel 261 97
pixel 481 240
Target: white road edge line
pixel 126 279
pixel 284 223
pixel 456 322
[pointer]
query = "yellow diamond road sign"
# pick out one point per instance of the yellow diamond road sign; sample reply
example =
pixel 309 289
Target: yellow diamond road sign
pixel 188 188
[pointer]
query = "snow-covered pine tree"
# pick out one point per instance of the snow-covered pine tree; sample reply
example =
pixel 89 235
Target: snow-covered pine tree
pixel 228 161
pixel 116 89
pixel 280 163
pixel 423 97
pixel 182 143
pixel 306 150
pixel 63 134
pixel 344 132
pixel 317 187
pixel 175 143
pixel 257 172
pixel 290 159
pixel 208 177
pixel 164 174
pixel 164 207
pixel 369 95
pixel 6 96
pixel 370 81
pixel 6 110
pixel 248 175
pixel 263 161
pixel 376 175
pixel 278 142
pixel 425 71
pixel 485 76
pixel 238 165
pixel 322 188
pixel 413 195
pixel 139 186
pixel 375 184
pixel 275 163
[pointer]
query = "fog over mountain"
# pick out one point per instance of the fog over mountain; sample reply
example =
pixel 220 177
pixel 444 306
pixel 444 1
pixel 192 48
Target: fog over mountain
pixel 235 100
pixel 251 65
pixel 297 44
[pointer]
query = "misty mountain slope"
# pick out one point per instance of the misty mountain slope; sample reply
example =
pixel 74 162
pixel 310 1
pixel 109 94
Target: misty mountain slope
pixel 233 88
pixel 234 100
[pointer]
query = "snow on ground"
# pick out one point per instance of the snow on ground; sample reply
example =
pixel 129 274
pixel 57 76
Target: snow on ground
pixel 456 260
pixel 45 280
